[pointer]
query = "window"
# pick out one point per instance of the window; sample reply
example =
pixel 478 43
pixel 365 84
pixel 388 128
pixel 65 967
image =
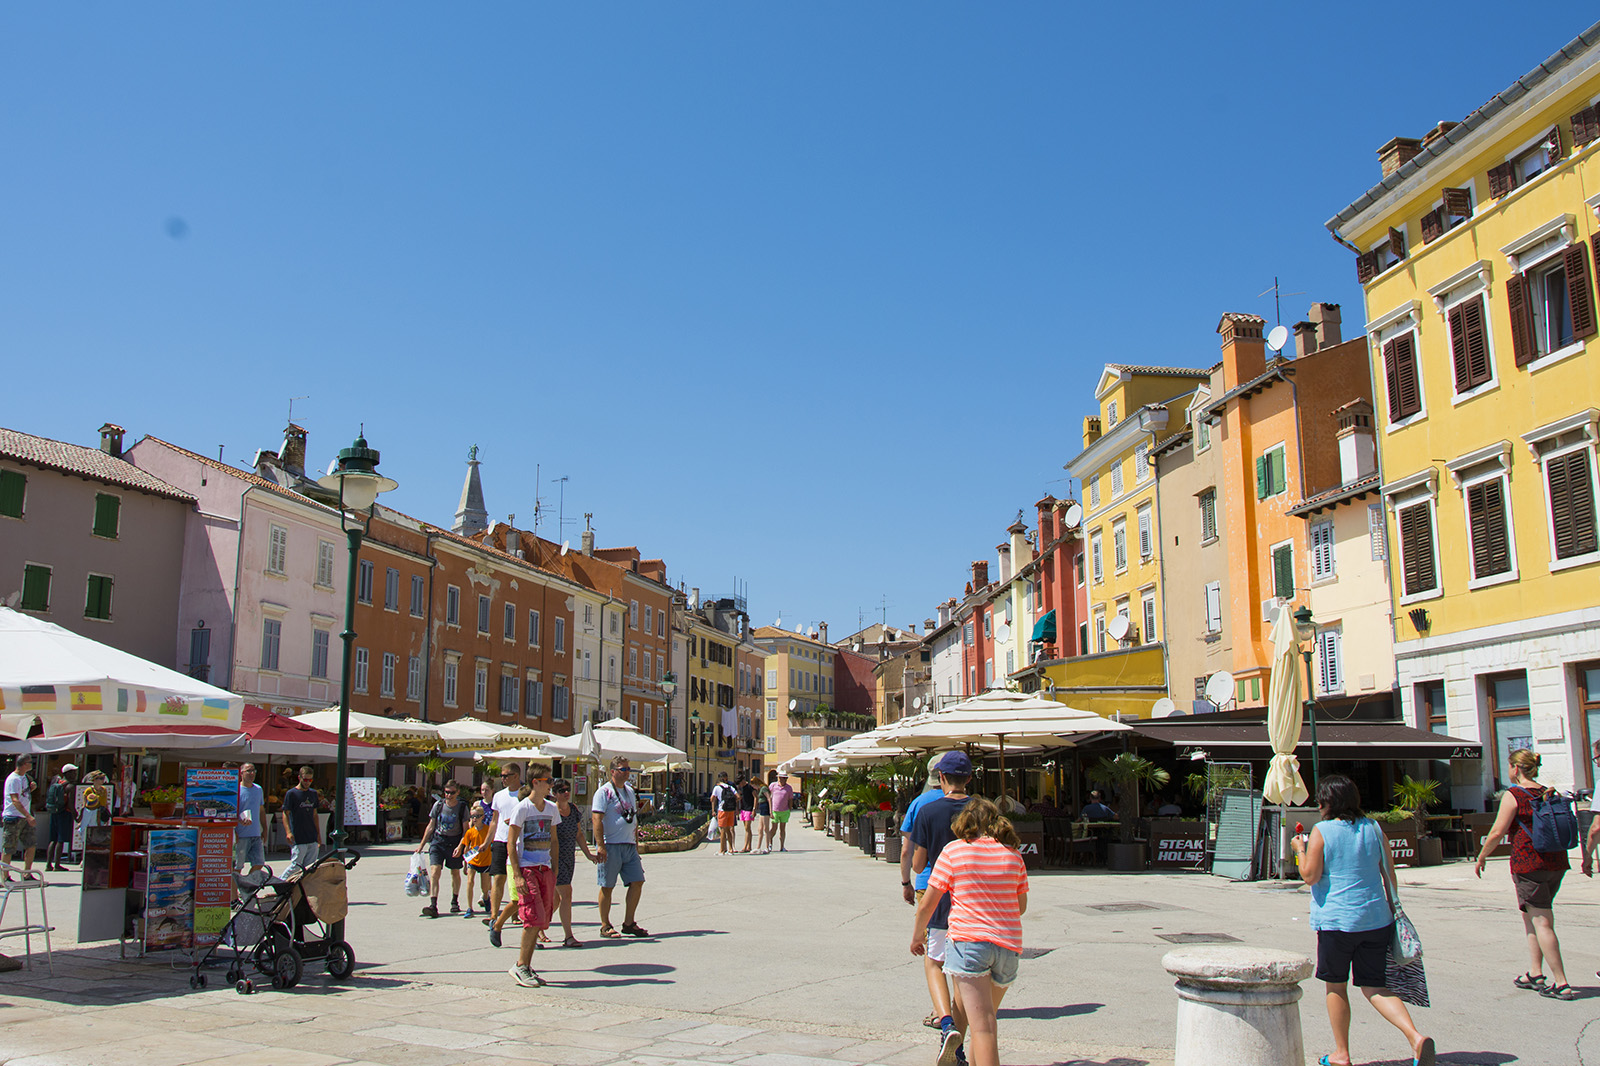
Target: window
pixel 414 678
pixel 633 662
pixel 1488 527
pixel 483 614
pixel 450 676
pixel 1272 473
pixel 1330 676
pixel 1147 605
pixel 1455 209
pixel 772 745
pixel 1509 716
pixel 645 665
pixel 1430 706
pixel 532 698
pixel 1569 476
pixel 359 678
pixel 1094 491
pixel 325 563
pixel 772 679
pixel 611 669
pixel 319 653
pixel 510 692
pixel 1077 567
pixel 391 589
pixel 1419 572
pixel 1214 607
pixel 97 598
pixel 1083 639
pixel 1469 345
pixel 1100 630
pixel 588 614
pixel 1551 305
pixel 988 627
pixel 1202 432
pixel 966 635
pixel 452 606
pixel 1141 463
pixel 1147 539
pixel 1111 414
pixel 1525 166
pixel 1401 381
pixel 480 688
pixel 418 596
pixel 364 581
pixel 277 549
pixel 661 622
pixel 13 490
pixel 1322 564
pixel 386 674
pixel 616 621
pixel 509 622
pixel 533 628
pixel 1098 557
pixel 988 673
pixel 1283 571
pixel 1116 480
pixel 559 698
pixel 633 614
pixel 805 742
pixel 107 510
pixel 271 635
pixel 772 710
pixel 649 618
pixel 1119 544
pixel 1589 706
pixel 561 635
pixel 199 653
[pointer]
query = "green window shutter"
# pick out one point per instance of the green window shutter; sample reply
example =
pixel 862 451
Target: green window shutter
pixel 97 602
pixel 35 588
pixel 1280 475
pixel 1283 572
pixel 13 486
pixel 1261 477
pixel 106 508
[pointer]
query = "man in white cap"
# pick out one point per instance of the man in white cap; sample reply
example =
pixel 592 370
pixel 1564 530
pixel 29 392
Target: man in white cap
pixel 58 805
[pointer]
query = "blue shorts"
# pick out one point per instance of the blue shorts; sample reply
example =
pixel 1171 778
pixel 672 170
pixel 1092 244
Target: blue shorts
pixel 979 958
pixel 248 850
pixel 622 860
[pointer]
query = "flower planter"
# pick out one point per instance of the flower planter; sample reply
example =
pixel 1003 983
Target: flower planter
pixel 1430 851
pixel 1403 844
pixel 867 834
pixel 1031 835
pixel 1125 858
pixel 852 832
pixel 819 820
pixel 162 810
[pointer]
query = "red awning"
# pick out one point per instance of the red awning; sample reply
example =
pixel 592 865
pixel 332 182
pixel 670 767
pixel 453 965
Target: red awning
pixel 275 734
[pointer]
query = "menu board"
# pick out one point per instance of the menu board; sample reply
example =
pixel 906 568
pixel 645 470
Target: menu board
pixel 361 801
pixel 213 883
pixel 211 793
pixel 169 891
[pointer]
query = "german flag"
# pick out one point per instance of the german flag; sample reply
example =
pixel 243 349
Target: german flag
pixel 39 697
pixel 86 698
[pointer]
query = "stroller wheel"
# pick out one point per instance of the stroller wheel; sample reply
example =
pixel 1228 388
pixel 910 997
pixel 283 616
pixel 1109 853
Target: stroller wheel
pixel 234 974
pixel 286 968
pixel 244 988
pixel 341 960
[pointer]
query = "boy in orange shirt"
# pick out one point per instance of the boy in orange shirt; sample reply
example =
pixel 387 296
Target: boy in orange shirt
pixel 474 847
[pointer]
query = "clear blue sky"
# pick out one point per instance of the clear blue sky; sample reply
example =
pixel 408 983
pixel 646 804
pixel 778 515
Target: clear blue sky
pixel 812 294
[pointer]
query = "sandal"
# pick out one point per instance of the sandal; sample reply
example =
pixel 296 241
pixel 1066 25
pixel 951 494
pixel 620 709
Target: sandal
pixel 1529 981
pixel 1559 992
pixel 572 942
pixel 1325 1061
pixel 1425 1053
pixel 633 929
pixel 932 1020
pixel 610 932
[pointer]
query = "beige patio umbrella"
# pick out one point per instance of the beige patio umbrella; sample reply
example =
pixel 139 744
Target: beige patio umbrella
pixel 1283 785
pixel 471 734
pixel 376 729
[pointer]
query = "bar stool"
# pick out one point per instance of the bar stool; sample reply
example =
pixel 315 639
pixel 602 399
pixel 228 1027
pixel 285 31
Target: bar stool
pixel 23 886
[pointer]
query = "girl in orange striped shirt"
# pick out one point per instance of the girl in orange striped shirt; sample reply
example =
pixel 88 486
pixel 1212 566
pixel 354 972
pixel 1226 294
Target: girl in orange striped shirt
pixel 988 885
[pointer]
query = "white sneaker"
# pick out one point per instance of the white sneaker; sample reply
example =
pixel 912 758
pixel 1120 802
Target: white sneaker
pixel 526 977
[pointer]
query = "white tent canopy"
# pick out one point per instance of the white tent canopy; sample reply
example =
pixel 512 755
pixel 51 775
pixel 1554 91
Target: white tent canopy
pixel 376 729
pixel 613 737
pixel 74 683
pixel 470 734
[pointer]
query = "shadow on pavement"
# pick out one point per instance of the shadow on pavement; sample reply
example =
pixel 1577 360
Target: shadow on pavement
pixel 1067 1010
pixel 1118 1061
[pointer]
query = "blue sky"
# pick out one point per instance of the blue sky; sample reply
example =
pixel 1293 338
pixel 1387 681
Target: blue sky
pixel 811 294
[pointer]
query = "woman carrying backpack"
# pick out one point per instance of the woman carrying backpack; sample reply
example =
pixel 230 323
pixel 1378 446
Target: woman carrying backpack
pixel 1535 874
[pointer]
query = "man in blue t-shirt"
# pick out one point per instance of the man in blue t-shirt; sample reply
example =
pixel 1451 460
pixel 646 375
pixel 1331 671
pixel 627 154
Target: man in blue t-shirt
pixel 930 833
pixel 247 848
pixel 913 885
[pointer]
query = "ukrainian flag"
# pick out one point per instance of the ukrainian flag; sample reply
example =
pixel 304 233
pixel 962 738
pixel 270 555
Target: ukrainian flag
pixel 217 709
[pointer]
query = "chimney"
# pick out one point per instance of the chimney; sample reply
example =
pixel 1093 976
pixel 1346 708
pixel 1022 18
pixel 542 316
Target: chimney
pixel 1438 131
pixel 928 626
pixel 980 574
pixel 1021 553
pixel 1357 451
pixel 1326 318
pixel 1244 353
pixel 1091 430
pixel 1397 152
pixel 1305 339
pixel 111 440
pixel 1003 551
pixel 824 626
pixel 588 533
pixel 944 613
pixel 293 453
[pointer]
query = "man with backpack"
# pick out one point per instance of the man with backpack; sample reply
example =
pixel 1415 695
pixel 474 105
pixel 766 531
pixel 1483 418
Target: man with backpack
pixel 59 806
pixel 446 824
pixel 725 801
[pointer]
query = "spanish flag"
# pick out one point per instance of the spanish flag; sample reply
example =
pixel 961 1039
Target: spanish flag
pixel 217 709
pixel 86 698
pixel 39 697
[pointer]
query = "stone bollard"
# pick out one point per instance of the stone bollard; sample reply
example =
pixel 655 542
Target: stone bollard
pixel 1238 1005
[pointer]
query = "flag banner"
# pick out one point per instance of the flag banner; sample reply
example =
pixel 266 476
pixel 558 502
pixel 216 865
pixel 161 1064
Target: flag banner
pixel 130 700
pixel 39 698
pixel 86 698
pixel 217 709
pixel 2 699
pixel 174 705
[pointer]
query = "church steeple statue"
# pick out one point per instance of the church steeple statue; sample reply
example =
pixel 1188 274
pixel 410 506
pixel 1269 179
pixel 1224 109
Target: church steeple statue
pixel 472 516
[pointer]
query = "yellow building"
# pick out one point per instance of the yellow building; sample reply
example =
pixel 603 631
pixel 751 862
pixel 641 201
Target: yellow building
pixel 1476 252
pixel 713 631
pixel 1121 522
pixel 799 694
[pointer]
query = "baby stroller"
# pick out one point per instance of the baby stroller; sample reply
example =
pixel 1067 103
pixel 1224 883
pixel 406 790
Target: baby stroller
pixel 279 925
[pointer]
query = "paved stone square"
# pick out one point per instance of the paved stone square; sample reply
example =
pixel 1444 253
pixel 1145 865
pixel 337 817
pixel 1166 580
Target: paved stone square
pixel 785 960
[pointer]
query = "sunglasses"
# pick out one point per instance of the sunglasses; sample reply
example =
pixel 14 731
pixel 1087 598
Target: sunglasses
pixel 449 792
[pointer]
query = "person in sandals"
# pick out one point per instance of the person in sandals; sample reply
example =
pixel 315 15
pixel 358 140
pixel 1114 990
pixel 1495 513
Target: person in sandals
pixel 615 811
pixel 569 834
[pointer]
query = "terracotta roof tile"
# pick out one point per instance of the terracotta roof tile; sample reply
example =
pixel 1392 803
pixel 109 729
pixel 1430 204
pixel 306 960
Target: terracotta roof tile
pixel 1162 371
pixel 84 462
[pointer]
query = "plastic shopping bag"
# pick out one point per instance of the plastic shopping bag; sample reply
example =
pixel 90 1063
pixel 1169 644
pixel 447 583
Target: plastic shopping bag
pixel 417 877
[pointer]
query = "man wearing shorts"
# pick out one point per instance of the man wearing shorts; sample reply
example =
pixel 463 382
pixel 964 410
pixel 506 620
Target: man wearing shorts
pixel 930 832
pixel 615 810
pixel 504 803
pixel 725 801
pixel 782 806
pixel 530 838
pixel 446 824
pixel 17 828
pixel 914 884
pixel 247 844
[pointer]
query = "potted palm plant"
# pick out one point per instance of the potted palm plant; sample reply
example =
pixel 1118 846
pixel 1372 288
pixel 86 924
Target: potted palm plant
pixel 1416 797
pixel 1128 775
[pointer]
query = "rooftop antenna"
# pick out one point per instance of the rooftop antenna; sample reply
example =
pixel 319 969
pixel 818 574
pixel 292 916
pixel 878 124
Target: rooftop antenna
pixel 561 507
pixel 292 399
pixel 1277 297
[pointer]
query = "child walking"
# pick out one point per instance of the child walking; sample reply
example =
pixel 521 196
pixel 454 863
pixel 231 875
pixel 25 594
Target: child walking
pixel 474 848
pixel 983 872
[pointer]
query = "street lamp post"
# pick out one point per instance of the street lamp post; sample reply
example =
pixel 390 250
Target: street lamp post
pixel 1306 629
pixel 357 481
pixel 668 687
pixel 694 754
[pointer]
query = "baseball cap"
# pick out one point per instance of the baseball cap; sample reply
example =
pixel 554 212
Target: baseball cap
pixel 956 763
pixel 69 766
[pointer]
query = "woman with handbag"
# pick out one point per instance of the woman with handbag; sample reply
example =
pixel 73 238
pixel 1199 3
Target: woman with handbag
pixel 1346 862
pixel 1536 876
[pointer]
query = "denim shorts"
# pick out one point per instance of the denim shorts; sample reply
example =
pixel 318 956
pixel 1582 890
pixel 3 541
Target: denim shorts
pixel 248 850
pixel 622 860
pixel 979 958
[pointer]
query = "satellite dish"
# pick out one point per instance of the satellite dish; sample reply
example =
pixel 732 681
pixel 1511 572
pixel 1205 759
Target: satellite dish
pixel 1118 627
pixel 778 622
pixel 916 704
pixel 1164 708
pixel 1219 689
pixel 794 704
pixel 1277 338
pixel 800 627
pixel 565 545
pixel 1073 516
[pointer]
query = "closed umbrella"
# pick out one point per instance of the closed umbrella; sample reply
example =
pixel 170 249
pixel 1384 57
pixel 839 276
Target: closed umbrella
pixel 1284 785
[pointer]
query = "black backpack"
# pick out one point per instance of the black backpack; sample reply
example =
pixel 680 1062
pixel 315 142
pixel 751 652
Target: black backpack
pixel 730 798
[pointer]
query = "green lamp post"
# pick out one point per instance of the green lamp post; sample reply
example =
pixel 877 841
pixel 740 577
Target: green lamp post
pixel 1306 630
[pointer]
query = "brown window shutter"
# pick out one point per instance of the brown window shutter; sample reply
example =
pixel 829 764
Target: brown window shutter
pixel 1478 528
pixel 1580 127
pixel 1553 143
pixel 1457 202
pixel 1458 347
pixel 1433 225
pixel 1502 179
pixel 1391 381
pixel 1477 341
pixel 1486 519
pixel 1522 346
pixel 1397 243
pixel 1406 400
pixel 1366 267
pixel 1572 505
pixel 1580 294
pixel 1416 543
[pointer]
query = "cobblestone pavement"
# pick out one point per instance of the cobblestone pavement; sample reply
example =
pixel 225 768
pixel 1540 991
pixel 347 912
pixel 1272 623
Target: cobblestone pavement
pixel 784 960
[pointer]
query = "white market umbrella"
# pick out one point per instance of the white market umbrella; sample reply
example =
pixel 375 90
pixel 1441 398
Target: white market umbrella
pixel 73 683
pixel 611 738
pixel 471 734
pixel 512 755
pixel 1002 699
pixel 376 729
pixel 1284 785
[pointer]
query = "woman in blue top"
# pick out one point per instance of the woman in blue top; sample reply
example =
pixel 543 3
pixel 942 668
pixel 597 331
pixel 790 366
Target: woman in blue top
pixel 1345 861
